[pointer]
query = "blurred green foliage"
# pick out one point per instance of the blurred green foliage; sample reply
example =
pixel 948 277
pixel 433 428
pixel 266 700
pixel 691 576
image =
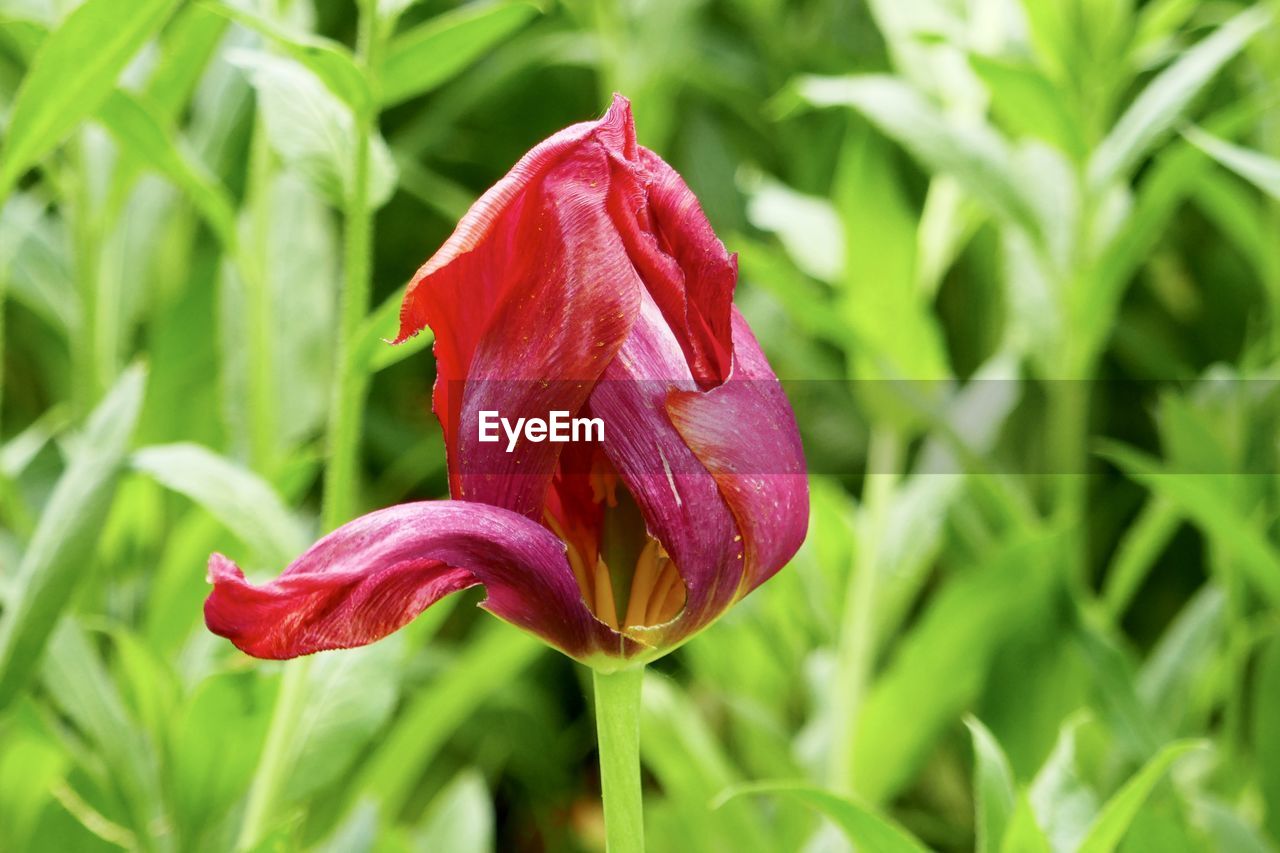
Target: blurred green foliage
pixel 1065 212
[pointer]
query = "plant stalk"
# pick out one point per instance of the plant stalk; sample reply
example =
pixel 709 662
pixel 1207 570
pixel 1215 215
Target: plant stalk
pixel 855 655
pixel 341 481
pixel 342 474
pixel 255 275
pixel 618 731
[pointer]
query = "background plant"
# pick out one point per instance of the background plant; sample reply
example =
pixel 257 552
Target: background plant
pixel 1063 215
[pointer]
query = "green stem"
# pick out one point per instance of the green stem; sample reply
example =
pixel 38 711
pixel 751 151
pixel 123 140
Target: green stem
pixel 4 295
pixel 256 277
pixel 341 483
pixel 85 386
pixel 342 475
pixel 618 733
pixel 855 655
pixel 277 755
pixel 1068 436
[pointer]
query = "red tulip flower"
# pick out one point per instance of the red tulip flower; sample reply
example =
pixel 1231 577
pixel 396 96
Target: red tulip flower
pixel 586 281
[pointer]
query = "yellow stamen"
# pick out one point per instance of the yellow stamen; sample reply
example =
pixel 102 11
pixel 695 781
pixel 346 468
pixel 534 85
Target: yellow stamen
pixel 669 582
pixel 576 562
pixel 673 603
pixel 642 583
pixel 606 609
pixel 604 486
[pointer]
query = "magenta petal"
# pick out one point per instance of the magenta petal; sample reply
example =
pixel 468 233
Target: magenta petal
pixel 534 284
pixel 373 575
pixel 682 263
pixel 710 272
pixel 681 503
pixel 569 312
pixel 745 433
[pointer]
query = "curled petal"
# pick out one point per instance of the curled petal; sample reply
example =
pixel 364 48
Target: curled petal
pixel 374 574
pixel 570 310
pixel 534 283
pixel 745 433
pixel 681 502
pixel 699 311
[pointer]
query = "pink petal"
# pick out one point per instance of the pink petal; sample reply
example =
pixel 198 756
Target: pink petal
pixel 745 433
pixel 373 575
pixel 681 502
pixel 682 263
pixel 534 284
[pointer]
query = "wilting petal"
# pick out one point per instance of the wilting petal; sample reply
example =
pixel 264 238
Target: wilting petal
pixel 373 575
pixel 549 345
pixel 681 503
pixel 746 435
pixel 533 285
pixel 683 264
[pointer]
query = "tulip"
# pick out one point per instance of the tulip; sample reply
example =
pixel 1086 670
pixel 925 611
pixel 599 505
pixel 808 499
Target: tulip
pixel 586 281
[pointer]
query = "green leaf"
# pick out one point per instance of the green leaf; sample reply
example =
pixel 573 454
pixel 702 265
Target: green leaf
pixel 1185 658
pixel 679 747
pixel 1064 805
pixel 1108 829
pixel 186 46
pixel 1257 168
pixel 994 796
pixel 139 129
pixel 72 74
pixel 424 725
pixel 31 764
pixel 1166 97
pixel 1135 556
pixel 975 154
pixel 883 301
pixel 430 54
pixel 312 130
pixel 939 667
pixel 460 818
pixel 861 824
pixel 248 506
pixel 1266 721
pixel 84 692
pixel 1027 103
pixel 216 740
pixel 63 544
pixel 349 698
pixel 36 264
pixel 372 350
pixel 1206 500
pixel 329 60
pixel 1023 834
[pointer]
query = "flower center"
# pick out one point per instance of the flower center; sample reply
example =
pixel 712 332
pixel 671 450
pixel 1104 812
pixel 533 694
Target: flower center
pixel 625 575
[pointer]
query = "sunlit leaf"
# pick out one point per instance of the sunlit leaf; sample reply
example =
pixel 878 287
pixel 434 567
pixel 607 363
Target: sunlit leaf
pixel 975 154
pixel 73 73
pixel 431 53
pixel 328 60
pixel 994 795
pixel 1166 97
pixel 237 497
pixel 1108 830
pixel 1257 168
pixel 460 818
pixel 139 129
pixel 62 547
pixel 312 130
pixel 860 824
